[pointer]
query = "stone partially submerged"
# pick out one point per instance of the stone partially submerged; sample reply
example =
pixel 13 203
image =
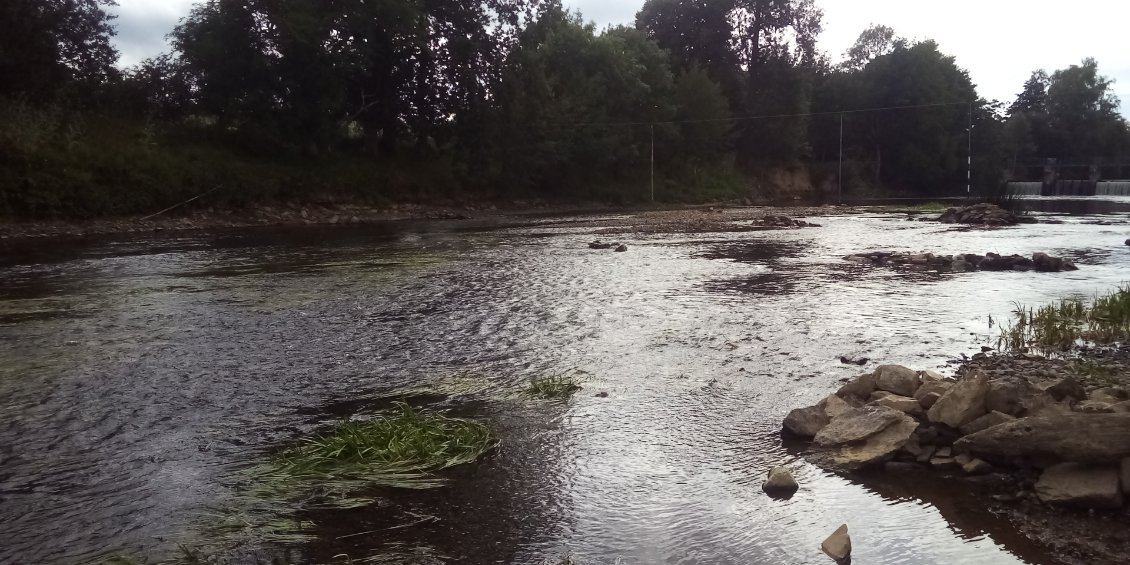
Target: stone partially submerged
pixel 838 545
pixel 780 483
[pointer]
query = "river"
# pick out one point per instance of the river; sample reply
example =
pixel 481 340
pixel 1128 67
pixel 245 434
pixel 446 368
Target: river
pixel 140 375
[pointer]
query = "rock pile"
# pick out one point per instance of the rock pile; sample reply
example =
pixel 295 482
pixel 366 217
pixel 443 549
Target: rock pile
pixel 1041 262
pixel 783 222
pixel 1058 441
pixel 983 214
pixel 615 246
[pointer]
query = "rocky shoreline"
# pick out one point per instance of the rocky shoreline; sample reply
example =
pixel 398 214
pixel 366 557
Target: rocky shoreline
pixel 1040 262
pixel 983 214
pixel 1046 442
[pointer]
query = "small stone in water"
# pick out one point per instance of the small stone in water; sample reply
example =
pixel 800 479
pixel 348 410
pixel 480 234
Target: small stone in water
pixel 838 545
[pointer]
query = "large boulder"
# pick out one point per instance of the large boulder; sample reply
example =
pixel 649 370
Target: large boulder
pixel 1067 388
pixel 1083 486
pixel 962 403
pixel 931 391
pixel 1085 438
pixel 985 422
pixel 835 406
pixel 806 422
pixel 877 448
pixel 904 404
pixel 1010 395
pixel 860 387
pixel 896 379
pixel 858 425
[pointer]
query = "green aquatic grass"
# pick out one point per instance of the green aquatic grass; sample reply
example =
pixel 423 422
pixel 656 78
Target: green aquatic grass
pixel 1059 327
pixel 561 386
pixel 401 449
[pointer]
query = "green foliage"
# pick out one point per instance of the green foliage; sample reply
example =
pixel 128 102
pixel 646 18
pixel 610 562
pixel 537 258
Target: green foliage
pixel 560 386
pixel 401 449
pixel 49 45
pixel 1059 327
pixel 402 99
pixel 1071 115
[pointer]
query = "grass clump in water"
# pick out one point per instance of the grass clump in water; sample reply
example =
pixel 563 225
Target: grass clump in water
pixel 401 449
pixel 1059 327
pixel 560 386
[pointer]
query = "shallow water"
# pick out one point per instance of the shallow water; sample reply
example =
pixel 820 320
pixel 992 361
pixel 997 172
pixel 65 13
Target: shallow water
pixel 139 376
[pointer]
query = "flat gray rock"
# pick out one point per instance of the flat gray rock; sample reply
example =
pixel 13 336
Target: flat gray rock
pixel 896 379
pixel 1082 486
pixel 858 425
pixel 877 448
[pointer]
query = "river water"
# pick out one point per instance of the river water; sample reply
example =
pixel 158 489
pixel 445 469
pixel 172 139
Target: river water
pixel 140 375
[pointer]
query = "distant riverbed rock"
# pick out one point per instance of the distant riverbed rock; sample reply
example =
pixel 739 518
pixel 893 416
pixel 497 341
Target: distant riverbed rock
pixel 1040 262
pixel 983 214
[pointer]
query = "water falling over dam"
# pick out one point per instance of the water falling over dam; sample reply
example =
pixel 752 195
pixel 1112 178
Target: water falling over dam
pixel 1071 188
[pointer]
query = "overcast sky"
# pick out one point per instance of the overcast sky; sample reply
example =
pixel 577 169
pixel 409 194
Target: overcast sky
pixel 1000 42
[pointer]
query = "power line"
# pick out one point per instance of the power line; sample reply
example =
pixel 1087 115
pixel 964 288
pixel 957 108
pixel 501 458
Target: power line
pixel 775 116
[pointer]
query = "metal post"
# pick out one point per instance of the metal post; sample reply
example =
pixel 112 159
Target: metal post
pixel 840 174
pixel 653 163
pixel 969 156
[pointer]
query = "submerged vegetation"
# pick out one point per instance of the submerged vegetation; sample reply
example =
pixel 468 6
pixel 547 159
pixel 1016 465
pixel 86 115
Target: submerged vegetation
pixel 1059 327
pixel 561 386
pixel 401 449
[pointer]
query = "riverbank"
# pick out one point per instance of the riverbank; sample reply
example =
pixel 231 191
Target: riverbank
pixel 618 220
pixel 1040 441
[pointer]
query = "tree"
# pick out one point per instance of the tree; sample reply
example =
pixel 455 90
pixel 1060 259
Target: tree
pixel 573 106
pixel 705 132
pixel 404 71
pixel 1034 97
pixel 48 44
pixel 875 41
pixel 1083 114
pixel 697 33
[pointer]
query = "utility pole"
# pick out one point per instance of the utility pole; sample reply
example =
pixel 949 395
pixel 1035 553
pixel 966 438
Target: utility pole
pixel 840 174
pixel 653 163
pixel 969 156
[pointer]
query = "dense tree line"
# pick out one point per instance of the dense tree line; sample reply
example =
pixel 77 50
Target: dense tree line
pixel 400 99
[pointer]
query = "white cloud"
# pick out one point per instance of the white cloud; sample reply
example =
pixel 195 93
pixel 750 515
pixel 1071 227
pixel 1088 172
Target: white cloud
pixel 143 24
pixel 999 41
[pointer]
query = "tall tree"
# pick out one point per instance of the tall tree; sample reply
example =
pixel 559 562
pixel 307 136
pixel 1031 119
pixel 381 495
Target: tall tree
pixel 1083 114
pixel 46 44
pixel 874 42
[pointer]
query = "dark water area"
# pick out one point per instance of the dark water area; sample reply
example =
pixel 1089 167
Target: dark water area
pixel 141 376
